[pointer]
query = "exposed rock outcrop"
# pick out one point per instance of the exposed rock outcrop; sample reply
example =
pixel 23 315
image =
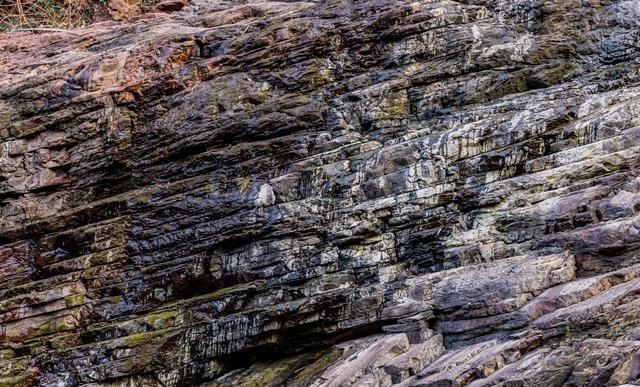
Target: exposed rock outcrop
pixel 340 193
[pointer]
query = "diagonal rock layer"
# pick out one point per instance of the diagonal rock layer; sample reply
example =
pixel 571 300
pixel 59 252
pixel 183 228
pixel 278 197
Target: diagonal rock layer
pixel 335 193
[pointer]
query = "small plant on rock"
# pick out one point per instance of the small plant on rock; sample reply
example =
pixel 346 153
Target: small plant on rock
pixel 244 183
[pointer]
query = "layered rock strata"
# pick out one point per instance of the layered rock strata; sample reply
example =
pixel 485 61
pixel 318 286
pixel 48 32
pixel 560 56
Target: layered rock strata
pixel 339 193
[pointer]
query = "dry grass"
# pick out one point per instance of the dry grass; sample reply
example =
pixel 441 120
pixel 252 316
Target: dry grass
pixel 17 14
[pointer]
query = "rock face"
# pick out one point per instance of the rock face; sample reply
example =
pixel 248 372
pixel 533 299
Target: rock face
pixel 336 193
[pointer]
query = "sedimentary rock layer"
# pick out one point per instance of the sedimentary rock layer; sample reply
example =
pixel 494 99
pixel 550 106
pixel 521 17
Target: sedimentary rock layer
pixel 336 193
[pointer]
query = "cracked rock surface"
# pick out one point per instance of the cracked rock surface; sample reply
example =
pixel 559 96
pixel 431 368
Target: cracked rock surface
pixel 337 193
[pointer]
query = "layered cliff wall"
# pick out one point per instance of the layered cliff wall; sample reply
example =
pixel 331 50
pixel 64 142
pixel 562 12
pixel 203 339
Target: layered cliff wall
pixel 336 193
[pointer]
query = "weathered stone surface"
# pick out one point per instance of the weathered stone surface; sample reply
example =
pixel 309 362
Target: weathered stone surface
pixel 430 193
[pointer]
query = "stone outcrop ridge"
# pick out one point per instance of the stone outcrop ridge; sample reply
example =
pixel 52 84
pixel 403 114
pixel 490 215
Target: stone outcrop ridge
pixel 335 193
